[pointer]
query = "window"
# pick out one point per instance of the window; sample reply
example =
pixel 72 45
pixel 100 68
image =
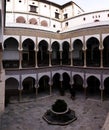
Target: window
pixel 33 8
pixel 56 15
pixel 45 6
pixel 84 18
pixel 66 24
pixel 65 16
pixel 96 20
pixel 54 25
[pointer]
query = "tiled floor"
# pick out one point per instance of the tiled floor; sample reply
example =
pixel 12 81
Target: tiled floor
pixel 91 114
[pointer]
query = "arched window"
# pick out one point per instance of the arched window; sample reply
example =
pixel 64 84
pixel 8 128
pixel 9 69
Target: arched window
pixel 55 53
pixel 20 19
pixel 43 54
pixel 44 23
pixel 78 55
pixel 93 52
pixel 10 53
pixel 65 53
pixel 33 21
pixel 106 52
pixel 28 54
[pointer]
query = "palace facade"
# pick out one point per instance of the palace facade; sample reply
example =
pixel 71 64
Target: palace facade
pixel 46 47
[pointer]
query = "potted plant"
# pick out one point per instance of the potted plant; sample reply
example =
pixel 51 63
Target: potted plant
pixel 59 107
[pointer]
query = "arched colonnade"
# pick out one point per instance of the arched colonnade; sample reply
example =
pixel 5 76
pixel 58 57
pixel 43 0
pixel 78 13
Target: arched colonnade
pixel 50 82
pixel 89 52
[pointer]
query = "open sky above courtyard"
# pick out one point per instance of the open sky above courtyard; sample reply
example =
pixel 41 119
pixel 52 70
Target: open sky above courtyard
pixel 87 5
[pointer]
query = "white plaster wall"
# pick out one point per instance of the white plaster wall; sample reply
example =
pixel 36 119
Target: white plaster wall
pixel 89 36
pixel 44 74
pixel 44 10
pixel 89 18
pixel 68 10
pixel 67 40
pixel 43 38
pixel 20 6
pixel 10 18
pixel 75 38
pixel 12 76
pixel 9 6
pixel 53 10
pixel 23 38
pixel 77 10
pixel 77 73
pixel 98 76
pixel 57 24
pixel 28 75
pixel 104 36
pixel 49 13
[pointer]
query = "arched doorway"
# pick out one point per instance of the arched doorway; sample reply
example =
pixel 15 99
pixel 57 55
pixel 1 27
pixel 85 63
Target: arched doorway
pixel 29 87
pixel 66 81
pixel 28 53
pixel 78 83
pixel 56 82
pixel 78 55
pixel 44 87
pixel 106 88
pixel 65 53
pixel 10 53
pixel 93 88
pixel 55 60
pixel 93 52
pixel 106 52
pixel 11 89
pixel 43 54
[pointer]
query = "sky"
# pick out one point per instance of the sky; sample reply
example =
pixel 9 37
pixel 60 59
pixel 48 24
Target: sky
pixel 87 5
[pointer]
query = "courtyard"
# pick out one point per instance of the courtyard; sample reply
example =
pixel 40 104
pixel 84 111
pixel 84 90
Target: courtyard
pixel 91 114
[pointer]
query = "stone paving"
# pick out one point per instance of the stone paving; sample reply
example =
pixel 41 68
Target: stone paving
pixel 91 114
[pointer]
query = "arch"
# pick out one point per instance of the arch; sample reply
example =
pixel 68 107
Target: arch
pixel 20 19
pixel 44 23
pixel 78 83
pixel 10 53
pixel 28 85
pixel 11 44
pixel 106 52
pixel 33 21
pixel 43 54
pixel 78 55
pixel 96 20
pixel 44 85
pixel 66 81
pixel 92 52
pixel 28 44
pixel 11 87
pixel 55 53
pixel 106 87
pixel 65 53
pixel 56 81
pixel 93 85
pixel 28 53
